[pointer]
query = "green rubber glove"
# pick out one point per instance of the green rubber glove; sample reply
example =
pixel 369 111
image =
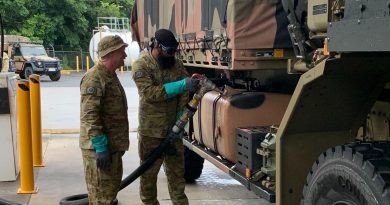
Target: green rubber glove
pixel 100 143
pixel 175 88
pixel 103 155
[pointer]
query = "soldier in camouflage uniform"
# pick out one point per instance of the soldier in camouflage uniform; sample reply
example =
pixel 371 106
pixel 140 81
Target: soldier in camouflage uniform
pixel 163 88
pixel 104 129
pixel 5 63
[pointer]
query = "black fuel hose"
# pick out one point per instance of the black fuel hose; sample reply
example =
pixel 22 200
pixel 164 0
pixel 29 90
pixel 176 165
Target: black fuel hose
pixel 205 85
pixel 5 202
pixel 82 199
pixel 156 153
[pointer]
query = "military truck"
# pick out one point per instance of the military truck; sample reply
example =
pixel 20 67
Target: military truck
pixel 26 58
pixel 305 114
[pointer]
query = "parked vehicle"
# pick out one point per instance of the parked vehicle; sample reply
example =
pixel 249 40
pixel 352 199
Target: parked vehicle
pixel 26 58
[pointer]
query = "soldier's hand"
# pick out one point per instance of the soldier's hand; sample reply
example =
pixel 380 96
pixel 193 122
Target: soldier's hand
pixel 173 138
pixel 103 159
pixel 174 135
pixel 192 84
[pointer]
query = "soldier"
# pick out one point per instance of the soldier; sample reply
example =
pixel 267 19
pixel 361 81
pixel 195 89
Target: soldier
pixel 104 130
pixel 163 87
pixel 5 62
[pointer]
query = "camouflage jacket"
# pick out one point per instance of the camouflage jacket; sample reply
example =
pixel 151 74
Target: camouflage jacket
pixel 103 109
pixel 157 113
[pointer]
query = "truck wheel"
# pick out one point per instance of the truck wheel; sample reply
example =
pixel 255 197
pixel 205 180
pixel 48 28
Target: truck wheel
pixel 193 165
pixel 55 76
pixel 27 72
pixel 352 174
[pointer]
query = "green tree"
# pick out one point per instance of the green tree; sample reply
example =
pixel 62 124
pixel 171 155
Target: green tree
pixel 39 27
pixel 108 9
pixel 68 23
pixel 14 14
pixel 126 6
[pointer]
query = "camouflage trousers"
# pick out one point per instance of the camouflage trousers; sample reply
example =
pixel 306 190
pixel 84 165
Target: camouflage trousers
pixel 102 185
pixel 173 167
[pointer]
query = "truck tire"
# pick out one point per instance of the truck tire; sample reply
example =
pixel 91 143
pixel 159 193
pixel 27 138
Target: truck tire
pixel 193 165
pixel 55 76
pixel 353 174
pixel 27 72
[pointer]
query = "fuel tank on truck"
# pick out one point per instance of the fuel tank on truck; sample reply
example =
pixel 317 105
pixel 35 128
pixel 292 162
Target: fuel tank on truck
pixel 218 116
pixel 132 51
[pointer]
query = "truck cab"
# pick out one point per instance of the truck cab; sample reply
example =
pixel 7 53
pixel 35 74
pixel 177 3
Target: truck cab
pixel 30 58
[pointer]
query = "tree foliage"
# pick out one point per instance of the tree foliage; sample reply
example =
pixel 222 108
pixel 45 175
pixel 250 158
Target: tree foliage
pixel 68 23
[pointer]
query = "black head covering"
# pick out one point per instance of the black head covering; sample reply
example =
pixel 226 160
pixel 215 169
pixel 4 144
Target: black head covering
pixel 166 38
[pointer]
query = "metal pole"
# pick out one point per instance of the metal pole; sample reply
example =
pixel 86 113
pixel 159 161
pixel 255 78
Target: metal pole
pixel 36 120
pixel 87 59
pixel 82 59
pixel 24 128
pixel 52 47
pixel 2 43
pixel 77 64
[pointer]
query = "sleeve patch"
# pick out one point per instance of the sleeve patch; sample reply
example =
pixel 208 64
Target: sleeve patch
pixel 91 90
pixel 139 74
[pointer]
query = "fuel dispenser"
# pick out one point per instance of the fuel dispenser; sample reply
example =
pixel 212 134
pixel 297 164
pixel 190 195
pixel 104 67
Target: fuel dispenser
pixel 9 153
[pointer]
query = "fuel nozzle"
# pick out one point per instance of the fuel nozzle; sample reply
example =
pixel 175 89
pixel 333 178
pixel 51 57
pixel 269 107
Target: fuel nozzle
pixel 208 85
pixel 205 84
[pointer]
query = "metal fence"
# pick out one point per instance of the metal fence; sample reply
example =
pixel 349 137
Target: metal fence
pixel 72 60
pixel 76 60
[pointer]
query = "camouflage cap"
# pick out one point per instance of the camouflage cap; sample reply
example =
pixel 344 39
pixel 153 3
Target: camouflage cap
pixel 109 44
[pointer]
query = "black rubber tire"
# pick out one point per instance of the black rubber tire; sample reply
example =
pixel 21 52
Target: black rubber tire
pixel 27 72
pixel 79 199
pixel 193 165
pixel 55 76
pixel 21 75
pixel 355 174
pixel 6 202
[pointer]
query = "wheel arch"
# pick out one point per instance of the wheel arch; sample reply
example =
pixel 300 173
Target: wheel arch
pixel 28 64
pixel 327 108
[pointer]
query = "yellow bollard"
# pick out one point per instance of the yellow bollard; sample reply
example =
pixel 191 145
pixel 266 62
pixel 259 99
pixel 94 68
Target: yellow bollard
pixel 121 69
pixel 24 129
pixel 36 121
pixel 77 64
pixel 87 59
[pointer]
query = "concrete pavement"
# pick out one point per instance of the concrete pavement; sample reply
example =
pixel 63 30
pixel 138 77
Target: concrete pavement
pixel 61 103
pixel 63 176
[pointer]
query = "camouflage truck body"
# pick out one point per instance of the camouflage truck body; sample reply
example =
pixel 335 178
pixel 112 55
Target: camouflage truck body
pixel 219 33
pixel 306 104
pixel 26 58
